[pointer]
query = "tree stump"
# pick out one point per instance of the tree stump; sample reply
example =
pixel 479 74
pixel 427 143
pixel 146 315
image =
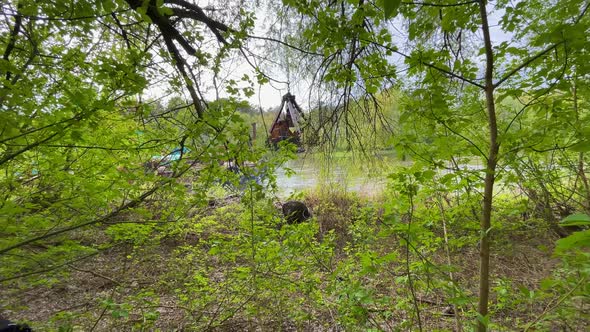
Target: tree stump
pixel 295 212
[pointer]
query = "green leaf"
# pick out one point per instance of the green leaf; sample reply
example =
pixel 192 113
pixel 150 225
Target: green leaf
pixel 578 219
pixel 574 241
pixel 459 300
pixel 485 320
pixel 390 6
pixel 583 146
pixel 121 313
pixel 109 6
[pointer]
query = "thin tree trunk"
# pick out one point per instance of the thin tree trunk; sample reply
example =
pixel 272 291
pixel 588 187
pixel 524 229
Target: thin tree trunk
pixel 484 252
pixel 458 326
pixel 581 170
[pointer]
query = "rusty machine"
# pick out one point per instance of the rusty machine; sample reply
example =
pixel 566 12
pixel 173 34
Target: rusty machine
pixel 287 123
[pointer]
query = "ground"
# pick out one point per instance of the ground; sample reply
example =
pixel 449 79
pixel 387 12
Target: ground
pixel 180 281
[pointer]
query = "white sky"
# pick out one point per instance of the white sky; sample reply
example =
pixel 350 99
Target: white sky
pixel 269 95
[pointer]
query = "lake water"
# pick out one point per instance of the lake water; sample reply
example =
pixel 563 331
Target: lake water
pixel 365 176
pixel 346 173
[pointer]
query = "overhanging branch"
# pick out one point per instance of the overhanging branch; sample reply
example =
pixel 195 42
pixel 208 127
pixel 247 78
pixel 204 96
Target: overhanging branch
pixel 430 65
pixel 526 63
pixel 430 4
pixel 104 218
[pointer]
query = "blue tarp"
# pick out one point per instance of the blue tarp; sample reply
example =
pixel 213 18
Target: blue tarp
pixel 172 156
pixel 176 153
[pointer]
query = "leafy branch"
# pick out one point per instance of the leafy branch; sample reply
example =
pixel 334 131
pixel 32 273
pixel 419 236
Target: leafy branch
pixel 12 41
pixel 550 308
pixel 428 64
pixel 430 4
pixel 102 219
pixel 526 63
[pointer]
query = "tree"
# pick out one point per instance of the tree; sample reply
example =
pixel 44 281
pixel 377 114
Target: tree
pixel 356 39
pixel 75 132
pixel 74 74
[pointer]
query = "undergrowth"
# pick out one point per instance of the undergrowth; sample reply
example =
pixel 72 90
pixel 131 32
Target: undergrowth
pixel 404 261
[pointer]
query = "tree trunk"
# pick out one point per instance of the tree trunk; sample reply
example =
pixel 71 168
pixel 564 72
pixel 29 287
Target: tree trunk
pixel 492 160
pixel 581 170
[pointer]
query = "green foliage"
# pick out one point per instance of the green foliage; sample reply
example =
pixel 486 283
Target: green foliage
pixel 578 240
pixel 390 7
pixel 95 177
pixel 568 284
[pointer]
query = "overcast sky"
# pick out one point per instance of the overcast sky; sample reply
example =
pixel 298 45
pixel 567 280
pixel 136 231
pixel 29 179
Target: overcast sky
pixel 269 95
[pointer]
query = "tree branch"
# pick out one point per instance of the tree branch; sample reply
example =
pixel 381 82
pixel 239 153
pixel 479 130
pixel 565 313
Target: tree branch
pixel 180 63
pixel 429 4
pixel 526 63
pixel 285 44
pixel 64 19
pixel 15 31
pixel 13 155
pixel 102 219
pixel 460 135
pixel 540 54
pixel 198 14
pixel 48 269
pixel 94 147
pixel 214 26
pixel 427 64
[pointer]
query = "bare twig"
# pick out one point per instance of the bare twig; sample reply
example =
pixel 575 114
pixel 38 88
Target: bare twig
pixel 559 302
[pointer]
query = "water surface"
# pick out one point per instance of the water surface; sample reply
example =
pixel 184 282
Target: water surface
pixel 363 175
